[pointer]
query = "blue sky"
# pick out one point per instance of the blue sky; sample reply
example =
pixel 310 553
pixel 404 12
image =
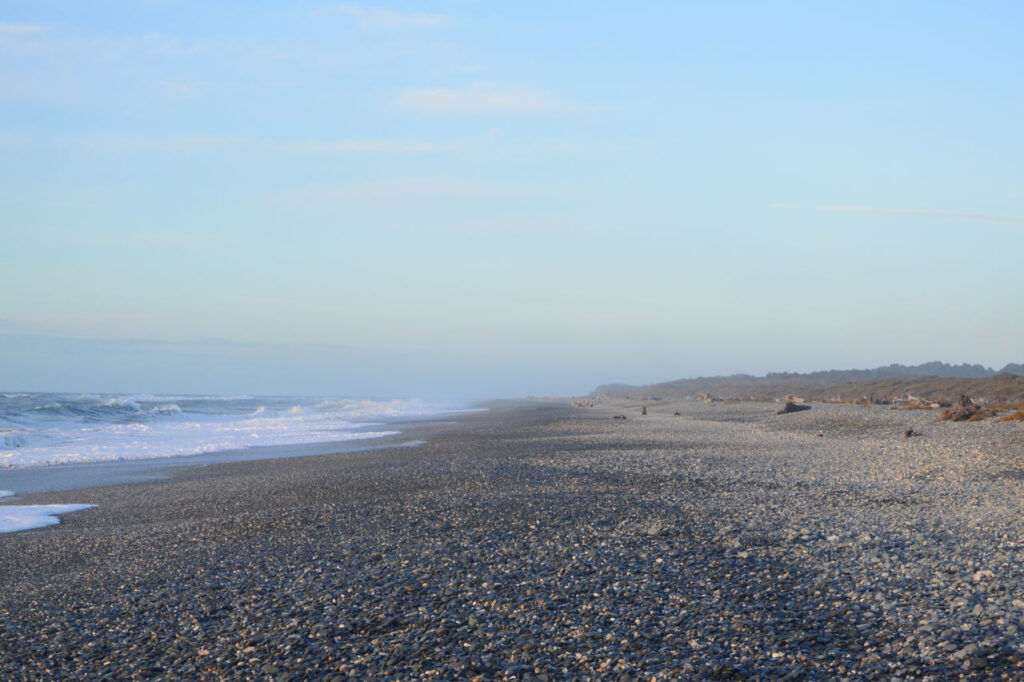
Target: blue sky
pixel 476 199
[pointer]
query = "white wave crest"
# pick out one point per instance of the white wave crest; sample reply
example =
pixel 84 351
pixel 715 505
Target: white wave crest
pixel 85 428
pixel 12 438
pixel 332 404
pixel 122 402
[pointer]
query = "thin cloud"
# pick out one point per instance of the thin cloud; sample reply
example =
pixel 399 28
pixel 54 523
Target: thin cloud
pixel 377 19
pixel 42 325
pixel 9 140
pixel 361 147
pixel 489 144
pixel 538 226
pixel 187 89
pixel 18 29
pixel 402 189
pixel 139 237
pixel 481 99
pixel 114 330
pixel 172 144
pixel 925 212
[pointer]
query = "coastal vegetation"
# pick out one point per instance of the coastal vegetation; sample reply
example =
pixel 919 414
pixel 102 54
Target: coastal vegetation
pixel 1015 416
pixel 896 386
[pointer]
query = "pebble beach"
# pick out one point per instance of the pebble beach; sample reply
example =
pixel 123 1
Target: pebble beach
pixel 540 541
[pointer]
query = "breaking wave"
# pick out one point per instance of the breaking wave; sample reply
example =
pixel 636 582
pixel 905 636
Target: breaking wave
pixel 48 428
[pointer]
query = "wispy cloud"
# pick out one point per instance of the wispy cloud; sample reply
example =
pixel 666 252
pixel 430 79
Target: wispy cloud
pixel 18 29
pixel 117 331
pixel 535 226
pixel 68 324
pixel 491 145
pixel 359 147
pixel 9 140
pixel 96 239
pixel 377 19
pixel 402 189
pixel 156 144
pixel 187 89
pixel 479 99
pixel 973 216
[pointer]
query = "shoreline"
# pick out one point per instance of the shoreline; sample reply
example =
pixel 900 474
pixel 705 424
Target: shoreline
pixel 63 477
pixel 541 540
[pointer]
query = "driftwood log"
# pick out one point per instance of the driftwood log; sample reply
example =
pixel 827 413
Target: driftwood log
pixel 790 407
pixel 962 411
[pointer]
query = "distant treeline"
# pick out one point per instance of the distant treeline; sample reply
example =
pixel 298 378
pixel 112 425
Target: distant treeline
pixel 937 381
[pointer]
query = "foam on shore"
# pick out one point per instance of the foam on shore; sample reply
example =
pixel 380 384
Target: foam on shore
pixel 17 517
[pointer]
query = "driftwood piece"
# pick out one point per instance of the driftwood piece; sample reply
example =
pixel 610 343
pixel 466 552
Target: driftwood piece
pixel 915 403
pixel 962 411
pixel 791 407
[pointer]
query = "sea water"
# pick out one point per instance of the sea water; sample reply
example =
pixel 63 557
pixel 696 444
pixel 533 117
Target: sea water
pixel 39 430
pixel 59 428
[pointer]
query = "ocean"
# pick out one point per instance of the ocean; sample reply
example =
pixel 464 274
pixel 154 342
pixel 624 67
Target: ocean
pixel 40 429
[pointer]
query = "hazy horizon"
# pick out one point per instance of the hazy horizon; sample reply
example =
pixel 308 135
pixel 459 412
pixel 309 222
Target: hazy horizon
pixel 470 200
pixel 238 374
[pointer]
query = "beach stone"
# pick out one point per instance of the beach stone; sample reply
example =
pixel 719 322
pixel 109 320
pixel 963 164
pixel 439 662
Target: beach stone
pixel 549 541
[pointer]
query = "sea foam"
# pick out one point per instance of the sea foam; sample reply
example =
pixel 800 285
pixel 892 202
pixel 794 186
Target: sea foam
pixel 46 428
pixel 15 517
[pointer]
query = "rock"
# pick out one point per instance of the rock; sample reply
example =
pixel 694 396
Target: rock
pixel 790 406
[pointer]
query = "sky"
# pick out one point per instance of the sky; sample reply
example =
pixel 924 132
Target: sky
pixel 483 199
